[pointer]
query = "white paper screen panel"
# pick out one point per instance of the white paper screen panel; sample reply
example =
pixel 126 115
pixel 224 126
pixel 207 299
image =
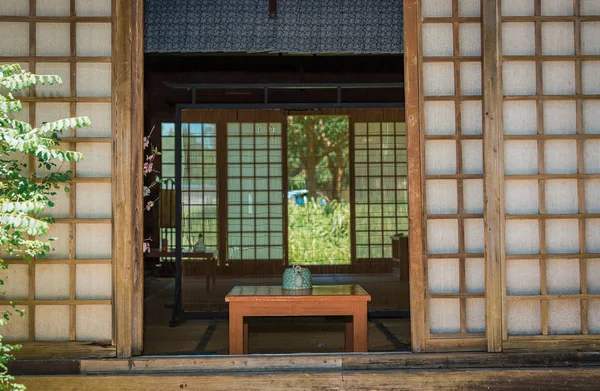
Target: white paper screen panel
pixel 562 236
pixel 96 161
pixel 93 7
pixel 594 316
pixel 469 37
pixel 63 70
pixel 52 7
pixel 563 276
pixel 523 277
pixel 593 275
pixel 557 7
pixel 440 118
pixel 53 39
pixel 444 316
pixel 93 39
pixel 590 7
pixel 437 39
pixel 558 77
pixel 558 38
pixel 524 317
pixel 100 115
pixel 522 237
pixel 51 282
pixel 436 8
pixel 517 8
pixel 442 236
pixel 564 317
pixel 475 275
pixel 560 117
pixel 591 77
pixel 470 78
pixel 93 79
pixel 475 319
pixel 442 197
pixel 473 195
pixel 94 241
pixel 562 196
pixel 443 276
pixel 46 111
pixel 590 44
pixel 520 117
pixel 519 78
pixel 471 117
pixel 521 197
pixel 94 323
pixel 518 39
pixel 440 157
pixel 469 8
pixel 94 282
pixel 60 247
pixel 16 282
pixel 18 45
pixel 14 8
pixel 51 322
pixel 591 116
pixel 592 196
pixel 18 328
pixel 94 200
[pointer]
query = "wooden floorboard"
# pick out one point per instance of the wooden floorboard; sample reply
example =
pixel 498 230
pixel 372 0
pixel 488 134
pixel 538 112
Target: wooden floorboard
pixel 488 379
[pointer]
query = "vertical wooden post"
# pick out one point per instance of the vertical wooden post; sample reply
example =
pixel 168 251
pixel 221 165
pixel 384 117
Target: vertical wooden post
pixel 127 38
pixel 415 209
pixel 493 169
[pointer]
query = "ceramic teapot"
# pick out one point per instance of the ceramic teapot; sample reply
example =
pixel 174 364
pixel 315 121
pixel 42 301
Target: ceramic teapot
pixel 297 277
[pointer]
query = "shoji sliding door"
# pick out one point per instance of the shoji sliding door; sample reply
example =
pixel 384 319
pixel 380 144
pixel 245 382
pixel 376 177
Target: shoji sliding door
pixel 445 132
pixel 551 88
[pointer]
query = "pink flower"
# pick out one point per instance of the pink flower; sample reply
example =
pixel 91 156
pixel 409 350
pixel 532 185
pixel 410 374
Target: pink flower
pixel 148 167
pixel 146 247
pixel 149 205
pixel 146 142
pixel 146 191
pixel 150 158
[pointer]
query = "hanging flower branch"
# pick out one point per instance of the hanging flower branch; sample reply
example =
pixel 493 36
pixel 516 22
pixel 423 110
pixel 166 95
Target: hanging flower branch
pixel 150 172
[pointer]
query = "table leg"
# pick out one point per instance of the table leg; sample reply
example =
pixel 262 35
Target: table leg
pixel 359 326
pixel 236 330
pixel 246 343
pixel 349 334
pixel 214 272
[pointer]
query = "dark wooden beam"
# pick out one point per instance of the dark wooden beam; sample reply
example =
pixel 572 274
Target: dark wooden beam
pixel 272 7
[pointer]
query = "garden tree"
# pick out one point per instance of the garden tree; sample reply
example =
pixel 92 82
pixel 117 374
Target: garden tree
pixel 311 139
pixel 26 191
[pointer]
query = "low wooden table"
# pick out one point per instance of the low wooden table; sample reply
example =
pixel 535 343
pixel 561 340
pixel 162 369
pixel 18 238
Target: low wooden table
pixel 188 262
pixel 322 300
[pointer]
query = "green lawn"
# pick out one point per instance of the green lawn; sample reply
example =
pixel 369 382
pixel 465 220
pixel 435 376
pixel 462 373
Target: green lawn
pixel 319 234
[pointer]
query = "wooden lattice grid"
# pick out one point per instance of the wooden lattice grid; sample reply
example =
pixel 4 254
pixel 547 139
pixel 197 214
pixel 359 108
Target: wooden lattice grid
pixel 84 289
pixel 546 193
pixel 452 171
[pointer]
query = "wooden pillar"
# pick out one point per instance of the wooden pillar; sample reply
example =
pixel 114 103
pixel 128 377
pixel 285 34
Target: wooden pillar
pixel 127 110
pixel 415 210
pixel 493 156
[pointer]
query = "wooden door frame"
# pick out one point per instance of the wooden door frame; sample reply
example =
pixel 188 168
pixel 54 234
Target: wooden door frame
pixel 128 131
